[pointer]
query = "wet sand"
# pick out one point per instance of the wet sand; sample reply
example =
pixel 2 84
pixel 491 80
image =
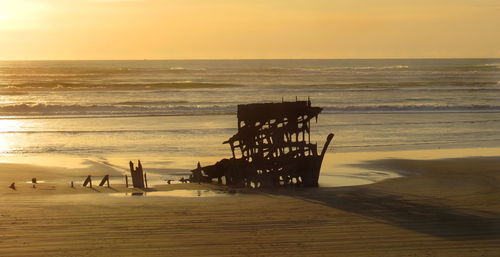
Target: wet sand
pixel 445 207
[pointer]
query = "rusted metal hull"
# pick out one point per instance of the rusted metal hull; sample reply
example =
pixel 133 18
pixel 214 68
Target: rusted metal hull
pixel 272 148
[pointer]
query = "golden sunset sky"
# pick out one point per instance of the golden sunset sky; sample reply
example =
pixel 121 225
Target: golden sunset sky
pixel 233 29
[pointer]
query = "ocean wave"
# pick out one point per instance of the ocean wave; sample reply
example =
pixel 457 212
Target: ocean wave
pixel 393 67
pixel 40 86
pixel 152 102
pixel 404 85
pixel 24 88
pixel 177 68
pixel 170 103
pixel 122 131
pixel 13 93
pixel 489 65
pixel 91 71
pixel 41 109
pixel 336 68
pixel 484 67
pixel 412 108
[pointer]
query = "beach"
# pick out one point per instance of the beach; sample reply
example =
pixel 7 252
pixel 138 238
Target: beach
pixel 434 207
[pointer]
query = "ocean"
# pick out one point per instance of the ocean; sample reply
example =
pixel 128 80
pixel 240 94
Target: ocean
pixel 173 113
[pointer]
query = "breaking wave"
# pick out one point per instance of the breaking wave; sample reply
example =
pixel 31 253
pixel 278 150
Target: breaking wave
pixel 412 108
pixel 41 109
pixel 338 68
pixel 40 86
pixel 490 65
pixel 185 108
pixel 407 85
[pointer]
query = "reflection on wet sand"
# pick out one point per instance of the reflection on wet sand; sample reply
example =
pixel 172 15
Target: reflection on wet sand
pixel 178 193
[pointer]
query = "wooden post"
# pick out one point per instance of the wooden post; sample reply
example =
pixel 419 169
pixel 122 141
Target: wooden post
pixel 104 180
pixel 137 175
pixel 33 180
pixel 88 181
pixel 126 181
pixel 72 185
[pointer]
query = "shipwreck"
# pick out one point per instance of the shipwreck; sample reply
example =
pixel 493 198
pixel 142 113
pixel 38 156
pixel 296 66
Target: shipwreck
pixel 271 148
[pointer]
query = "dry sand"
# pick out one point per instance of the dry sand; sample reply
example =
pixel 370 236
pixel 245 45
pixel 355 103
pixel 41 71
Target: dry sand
pixel 448 207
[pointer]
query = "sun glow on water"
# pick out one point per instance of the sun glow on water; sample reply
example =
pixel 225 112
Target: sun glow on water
pixel 4 145
pixel 10 125
pixel 5 141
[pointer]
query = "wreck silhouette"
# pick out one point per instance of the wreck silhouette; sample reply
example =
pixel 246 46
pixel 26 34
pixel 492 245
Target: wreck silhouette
pixel 272 148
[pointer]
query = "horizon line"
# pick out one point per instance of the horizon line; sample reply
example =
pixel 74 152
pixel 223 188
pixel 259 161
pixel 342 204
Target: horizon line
pixel 253 59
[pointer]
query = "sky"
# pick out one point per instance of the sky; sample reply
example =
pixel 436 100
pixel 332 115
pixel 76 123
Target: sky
pixel 248 29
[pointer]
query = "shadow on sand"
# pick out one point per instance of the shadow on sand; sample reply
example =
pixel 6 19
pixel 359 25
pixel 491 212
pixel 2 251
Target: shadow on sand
pixel 436 220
